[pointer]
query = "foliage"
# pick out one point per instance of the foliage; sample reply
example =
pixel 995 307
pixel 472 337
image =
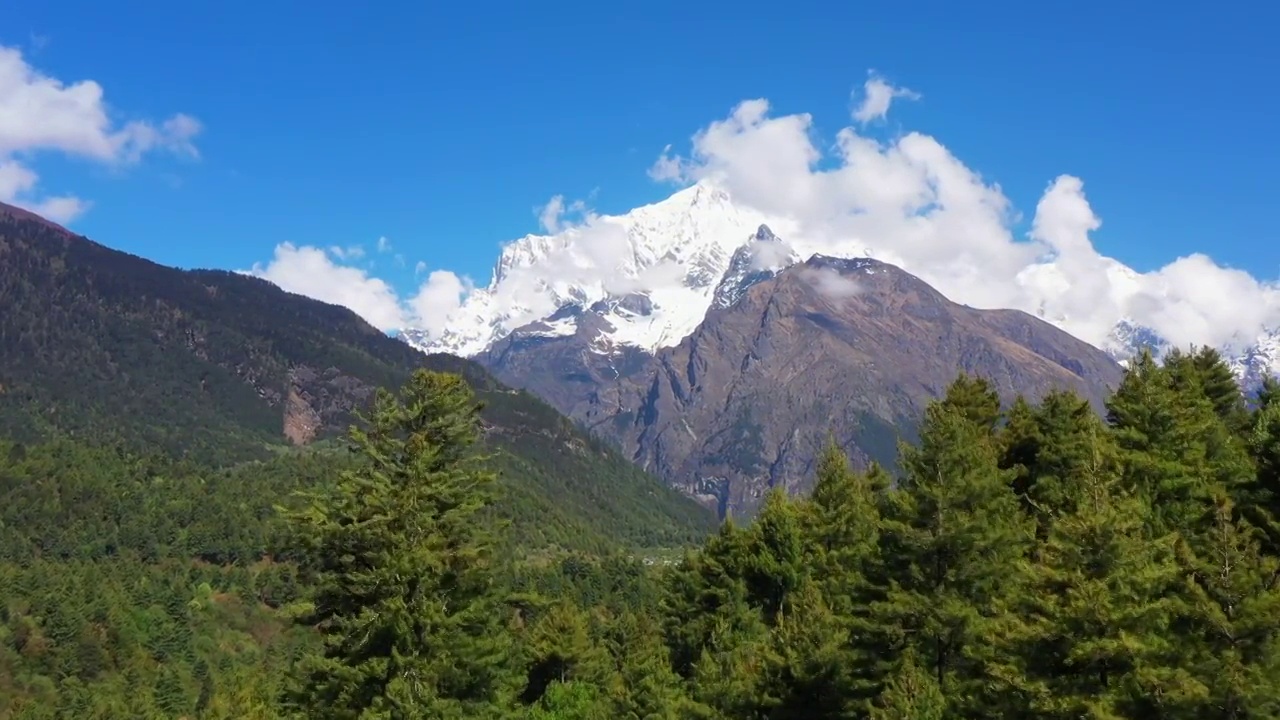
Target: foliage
pixel 1036 562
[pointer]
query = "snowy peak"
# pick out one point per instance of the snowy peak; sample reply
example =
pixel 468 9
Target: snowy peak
pixel 762 257
pixel 1258 361
pixel 672 253
pixel 1255 362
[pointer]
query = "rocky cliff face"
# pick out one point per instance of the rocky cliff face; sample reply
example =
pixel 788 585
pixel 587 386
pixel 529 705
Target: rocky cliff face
pixel 854 348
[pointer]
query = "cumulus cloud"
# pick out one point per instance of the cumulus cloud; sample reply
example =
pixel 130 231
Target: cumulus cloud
pixel 911 202
pixel 877 96
pixel 310 271
pixel 329 277
pixel 438 299
pixel 41 114
pixel 908 201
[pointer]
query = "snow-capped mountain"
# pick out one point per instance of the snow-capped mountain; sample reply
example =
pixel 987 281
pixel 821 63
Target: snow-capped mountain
pixel 646 279
pixel 762 257
pixel 1256 361
pixel 651 274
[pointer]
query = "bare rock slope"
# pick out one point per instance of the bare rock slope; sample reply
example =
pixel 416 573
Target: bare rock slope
pixel 852 348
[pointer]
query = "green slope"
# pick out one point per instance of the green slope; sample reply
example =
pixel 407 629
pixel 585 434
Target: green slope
pixel 113 349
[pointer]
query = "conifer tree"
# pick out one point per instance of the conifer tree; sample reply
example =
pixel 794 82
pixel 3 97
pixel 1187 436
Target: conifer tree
pixel 810 672
pixel 775 560
pixel 1234 643
pixel 845 526
pixel 1048 444
pixel 403 597
pixel 1205 371
pixel 1020 442
pixel 974 399
pixel 912 693
pixel 1176 450
pixel 646 687
pixel 1263 506
pixel 702 593
pixel 845 535
pixel 951 541
pixel 1092 635
pixel 560 649
pixel 1267 394
pixel 730 678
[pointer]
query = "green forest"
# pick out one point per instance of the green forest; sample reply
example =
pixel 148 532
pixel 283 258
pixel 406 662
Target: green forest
pixel 1029 560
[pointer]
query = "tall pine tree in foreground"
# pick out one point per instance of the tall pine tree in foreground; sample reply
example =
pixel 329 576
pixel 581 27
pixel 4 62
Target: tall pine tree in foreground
pixel 952 539
pixel 402 596
pixel 1092 636
pixel 1232 644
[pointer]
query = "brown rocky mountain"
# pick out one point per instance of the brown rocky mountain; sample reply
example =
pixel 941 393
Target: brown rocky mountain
pixel 854 348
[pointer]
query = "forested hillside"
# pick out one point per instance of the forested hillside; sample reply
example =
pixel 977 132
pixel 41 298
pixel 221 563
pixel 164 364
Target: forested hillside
pixel 219 368
pixel 1045 562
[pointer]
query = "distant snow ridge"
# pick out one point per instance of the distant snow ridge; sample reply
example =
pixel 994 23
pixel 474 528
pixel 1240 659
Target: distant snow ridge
pixel 1250 365
pixel 1259 361
pixel 656 270
pixel 646 279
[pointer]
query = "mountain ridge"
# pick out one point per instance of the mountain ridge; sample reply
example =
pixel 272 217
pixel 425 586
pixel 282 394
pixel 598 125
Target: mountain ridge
pixel 709 229
pixel 851 347
pixel 221 368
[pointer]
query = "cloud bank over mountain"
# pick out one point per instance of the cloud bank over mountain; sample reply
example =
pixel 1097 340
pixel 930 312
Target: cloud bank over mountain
pixel 907 200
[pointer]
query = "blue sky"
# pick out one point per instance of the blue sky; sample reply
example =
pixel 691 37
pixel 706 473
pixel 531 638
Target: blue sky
pixel 442 126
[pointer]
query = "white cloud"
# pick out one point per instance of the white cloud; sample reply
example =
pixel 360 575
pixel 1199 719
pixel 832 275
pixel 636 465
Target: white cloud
pixel 384 245
pixel 771 255
pixel 310 271
pixel 419 268
pixel 830 283
pixel 350 252
pixel 877 96
pixel 39 113
pixel 315 273
pixel 907 201
pixel 912 203
pixel 438 299
pixel 667 168
pixel 552 216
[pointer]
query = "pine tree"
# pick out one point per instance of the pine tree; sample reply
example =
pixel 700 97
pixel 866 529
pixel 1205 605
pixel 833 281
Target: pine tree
pixel 974 399
pixel 1267 394
pixel 730 679
pixel 1234 644
pixel 1205 371
pixel 845 535
pixel 403 596
pixel 1092 634
pixel 705 590
pixel 1047 444
pixel 811 671
pixel 912 693
pixel 560 649
pixel 844 529
pixel 1262 507
pixel 953 535
pixel 646 687
pixel 1020 442
pixel 775 562
pixel 1176 450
